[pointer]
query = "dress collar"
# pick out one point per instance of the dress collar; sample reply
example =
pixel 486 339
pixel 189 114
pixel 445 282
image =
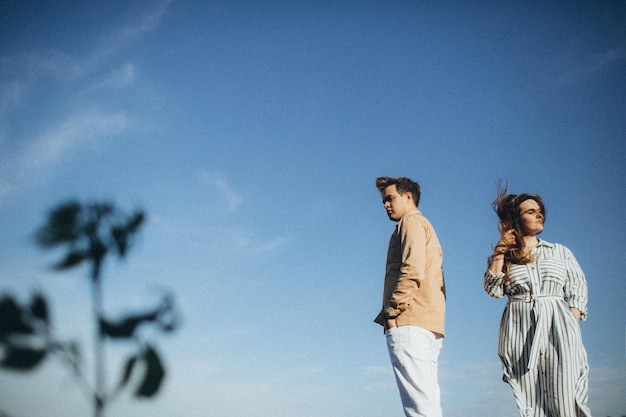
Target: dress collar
pixel 544 243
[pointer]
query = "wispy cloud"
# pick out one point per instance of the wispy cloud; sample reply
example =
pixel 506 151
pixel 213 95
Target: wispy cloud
pixel 118 78
pixel 18 74
pixel 147 23
pixel 82 121
pixel 74 134
pixel 245 244
pixel 112 43
pixel 385 370
pixel 239 239
pixel 226 191
pixel 12 86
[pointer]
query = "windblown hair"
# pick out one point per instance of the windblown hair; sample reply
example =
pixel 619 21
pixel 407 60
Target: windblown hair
pixel 507 207
pixel 403 185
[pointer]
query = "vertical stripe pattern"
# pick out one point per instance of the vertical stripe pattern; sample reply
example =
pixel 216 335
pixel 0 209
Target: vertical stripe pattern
pixel 540 344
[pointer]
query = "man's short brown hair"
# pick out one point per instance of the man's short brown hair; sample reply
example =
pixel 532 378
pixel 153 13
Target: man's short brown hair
pixel 403 185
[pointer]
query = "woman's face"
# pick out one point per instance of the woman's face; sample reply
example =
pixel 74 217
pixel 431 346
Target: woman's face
pixel 531 218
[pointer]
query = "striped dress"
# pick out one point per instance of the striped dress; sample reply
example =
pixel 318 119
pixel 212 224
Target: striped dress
pixel 540 344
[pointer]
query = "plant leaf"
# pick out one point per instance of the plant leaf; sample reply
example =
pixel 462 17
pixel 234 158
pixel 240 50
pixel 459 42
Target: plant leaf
pixel 153 376
pixel 71 260
pixel 22 359
pixel 11 319
pixel 120 330
pixel 128 371
pixel 39 308
pixel 62 225
pixel 120 238
pixel 126 327
pixel 134 222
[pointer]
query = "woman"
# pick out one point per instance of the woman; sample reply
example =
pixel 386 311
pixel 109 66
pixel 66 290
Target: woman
pixel 540 344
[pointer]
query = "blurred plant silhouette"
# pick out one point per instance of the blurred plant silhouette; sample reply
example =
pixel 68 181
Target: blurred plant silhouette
pixel 88 233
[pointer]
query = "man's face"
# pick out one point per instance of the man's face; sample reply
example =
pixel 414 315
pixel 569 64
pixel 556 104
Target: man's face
pixel 395 204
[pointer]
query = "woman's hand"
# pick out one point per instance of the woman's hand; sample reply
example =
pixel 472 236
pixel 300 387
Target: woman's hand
pixel 575 312
pixel 506 242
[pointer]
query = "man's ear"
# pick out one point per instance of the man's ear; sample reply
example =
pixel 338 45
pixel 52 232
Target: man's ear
pixel 409 197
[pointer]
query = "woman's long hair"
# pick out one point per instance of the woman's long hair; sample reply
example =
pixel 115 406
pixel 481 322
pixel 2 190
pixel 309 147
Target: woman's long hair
pixel 507 208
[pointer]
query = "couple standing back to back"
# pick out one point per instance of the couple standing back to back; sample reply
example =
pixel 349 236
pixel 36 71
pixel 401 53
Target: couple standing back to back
pixel 414 306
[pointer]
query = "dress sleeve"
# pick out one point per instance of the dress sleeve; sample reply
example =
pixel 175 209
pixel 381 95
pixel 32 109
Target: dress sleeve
pixel 575 285
pixel 412 236
pixel 494 284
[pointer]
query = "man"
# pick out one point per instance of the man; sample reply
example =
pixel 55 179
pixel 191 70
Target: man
pixel 414 299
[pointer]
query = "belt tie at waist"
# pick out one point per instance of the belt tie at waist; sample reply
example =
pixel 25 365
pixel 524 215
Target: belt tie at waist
pixel 542 329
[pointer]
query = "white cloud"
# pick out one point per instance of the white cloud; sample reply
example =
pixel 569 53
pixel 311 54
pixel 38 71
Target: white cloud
pixel 20 73
pixel 245 244
pixel 148 22
pixel 236 239
pixel 11 91
pixel 217 181
pixel 74 134
pixel 118 78
pixel 386 370
pixel 113 43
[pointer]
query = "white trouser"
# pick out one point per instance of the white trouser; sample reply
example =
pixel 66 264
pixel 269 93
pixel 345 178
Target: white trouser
pixel 414 354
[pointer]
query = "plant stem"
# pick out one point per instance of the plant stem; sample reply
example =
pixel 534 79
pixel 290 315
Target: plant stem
pixel 99 394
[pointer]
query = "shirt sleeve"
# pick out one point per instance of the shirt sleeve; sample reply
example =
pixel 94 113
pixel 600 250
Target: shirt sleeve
pixel 576 285
pixel 412 239
pixel 494 284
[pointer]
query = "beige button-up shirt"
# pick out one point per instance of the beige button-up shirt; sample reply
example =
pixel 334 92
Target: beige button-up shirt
pixel 414 289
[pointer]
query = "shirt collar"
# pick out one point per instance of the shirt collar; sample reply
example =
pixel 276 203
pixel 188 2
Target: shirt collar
pixel 544 243
pixel 416 211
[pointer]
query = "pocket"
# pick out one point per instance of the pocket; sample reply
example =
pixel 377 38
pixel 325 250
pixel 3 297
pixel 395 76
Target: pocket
pixel 389 332
pixel 553 270
pixel 396 344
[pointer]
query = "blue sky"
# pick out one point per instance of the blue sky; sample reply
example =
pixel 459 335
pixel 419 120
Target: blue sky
pixel 251 133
